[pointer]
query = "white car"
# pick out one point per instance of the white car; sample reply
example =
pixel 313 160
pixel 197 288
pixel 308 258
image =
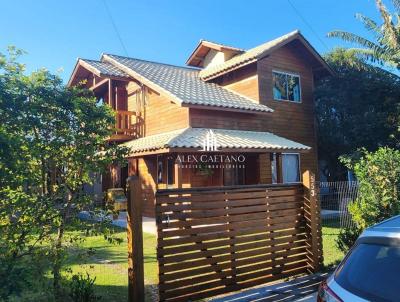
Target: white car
pixel 371 269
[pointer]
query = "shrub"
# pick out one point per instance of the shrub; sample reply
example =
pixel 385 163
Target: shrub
pixel 346 238
pixel 82 288
pixel 378 174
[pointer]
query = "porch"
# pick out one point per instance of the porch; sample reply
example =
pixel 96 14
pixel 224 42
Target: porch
pixel 201 157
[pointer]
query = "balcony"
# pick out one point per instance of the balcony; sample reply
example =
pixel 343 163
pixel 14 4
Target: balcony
pixel 126 127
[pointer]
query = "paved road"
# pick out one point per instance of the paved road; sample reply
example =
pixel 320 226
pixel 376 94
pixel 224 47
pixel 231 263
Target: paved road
pixel 301 289
pixel 309 298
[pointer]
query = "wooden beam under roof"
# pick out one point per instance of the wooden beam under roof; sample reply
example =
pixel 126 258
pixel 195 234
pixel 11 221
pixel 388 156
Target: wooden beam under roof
pixel 99 84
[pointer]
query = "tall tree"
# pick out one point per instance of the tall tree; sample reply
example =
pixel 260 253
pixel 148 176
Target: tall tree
pixel 384 47
pixel 358 107
pixel 52 138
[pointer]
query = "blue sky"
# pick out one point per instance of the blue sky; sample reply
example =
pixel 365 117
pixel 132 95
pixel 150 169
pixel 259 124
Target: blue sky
pixel 55 33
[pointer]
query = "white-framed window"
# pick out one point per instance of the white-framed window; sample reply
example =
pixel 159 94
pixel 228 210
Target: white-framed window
pixel 290 167
pixel 286 86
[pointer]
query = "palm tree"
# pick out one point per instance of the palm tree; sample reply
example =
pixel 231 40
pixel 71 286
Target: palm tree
pixel 384 48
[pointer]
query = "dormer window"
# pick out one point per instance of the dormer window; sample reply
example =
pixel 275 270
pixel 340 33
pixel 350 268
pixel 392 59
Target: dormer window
pixel 286 86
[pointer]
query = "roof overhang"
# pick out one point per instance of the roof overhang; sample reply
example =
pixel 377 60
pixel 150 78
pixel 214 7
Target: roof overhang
pixel 190 140
pixel 225 109
pixel 220 151
pixel 82 67
pixel 321 67
pixel 197 56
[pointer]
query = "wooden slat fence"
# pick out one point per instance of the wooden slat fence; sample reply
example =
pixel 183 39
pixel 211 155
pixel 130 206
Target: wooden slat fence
pixel 216 240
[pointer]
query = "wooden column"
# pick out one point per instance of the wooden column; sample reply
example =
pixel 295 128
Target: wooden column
pixel 178 175
pixel 279 168
pixel 265 168
pixel 110 94
pixel 135 241
pixel 312 213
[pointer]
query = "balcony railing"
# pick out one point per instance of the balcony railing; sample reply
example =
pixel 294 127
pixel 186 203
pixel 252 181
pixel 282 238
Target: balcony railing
pixel 124 122
pixel 126 126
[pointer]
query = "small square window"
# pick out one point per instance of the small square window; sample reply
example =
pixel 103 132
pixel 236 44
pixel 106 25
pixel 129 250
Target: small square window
pixel 286 86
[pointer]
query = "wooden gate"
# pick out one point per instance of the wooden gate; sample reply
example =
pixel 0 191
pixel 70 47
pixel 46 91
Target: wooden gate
pixel 216 240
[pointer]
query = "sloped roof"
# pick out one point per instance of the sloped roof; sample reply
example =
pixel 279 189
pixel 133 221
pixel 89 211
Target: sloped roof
pixel 99 68
pixel 193 138
pixel 183 84
pixel 106 69
pixel 256 53
pixel 219 46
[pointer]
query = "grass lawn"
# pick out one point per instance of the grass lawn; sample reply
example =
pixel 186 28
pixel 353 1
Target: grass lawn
pixel 330 231
pixel 109 265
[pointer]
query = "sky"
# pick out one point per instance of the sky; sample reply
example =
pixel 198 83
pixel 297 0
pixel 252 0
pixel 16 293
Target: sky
pixel 55 33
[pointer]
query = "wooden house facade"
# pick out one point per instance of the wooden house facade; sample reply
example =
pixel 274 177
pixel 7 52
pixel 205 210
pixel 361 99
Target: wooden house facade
pixel 232 117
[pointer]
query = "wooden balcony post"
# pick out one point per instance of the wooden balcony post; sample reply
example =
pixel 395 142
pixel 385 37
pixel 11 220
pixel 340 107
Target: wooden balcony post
pixel 312 213
pixel 135 241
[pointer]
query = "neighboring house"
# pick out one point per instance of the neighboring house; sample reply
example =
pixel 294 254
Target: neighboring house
pixel 258 104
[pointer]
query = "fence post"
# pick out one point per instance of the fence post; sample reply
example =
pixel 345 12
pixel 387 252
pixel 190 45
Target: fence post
pixel 312 213
pixel 135 241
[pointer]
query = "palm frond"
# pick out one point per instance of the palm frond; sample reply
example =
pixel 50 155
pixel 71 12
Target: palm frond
pixel 396 4
pixel 381 58
pixel 388 26
pixel 352 38
pixel 384 48
pixel 370 24
pixel 364 53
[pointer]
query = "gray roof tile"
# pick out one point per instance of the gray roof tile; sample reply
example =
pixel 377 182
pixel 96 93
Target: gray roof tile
pixel 106 69
pixel 226 139
pixel 184 83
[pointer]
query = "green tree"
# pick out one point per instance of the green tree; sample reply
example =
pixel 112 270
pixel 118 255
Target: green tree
pixel 356 108
pixel 384 47
pixel 52 138
pixel 24 219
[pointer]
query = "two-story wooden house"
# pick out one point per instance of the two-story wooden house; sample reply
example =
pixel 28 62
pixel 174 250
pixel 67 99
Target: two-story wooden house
pixel 258 104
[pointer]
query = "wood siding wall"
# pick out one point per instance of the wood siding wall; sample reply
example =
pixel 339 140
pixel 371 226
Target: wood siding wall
pixel 295 121
pixel 159 114
pixel 243 81
pixel 162 115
